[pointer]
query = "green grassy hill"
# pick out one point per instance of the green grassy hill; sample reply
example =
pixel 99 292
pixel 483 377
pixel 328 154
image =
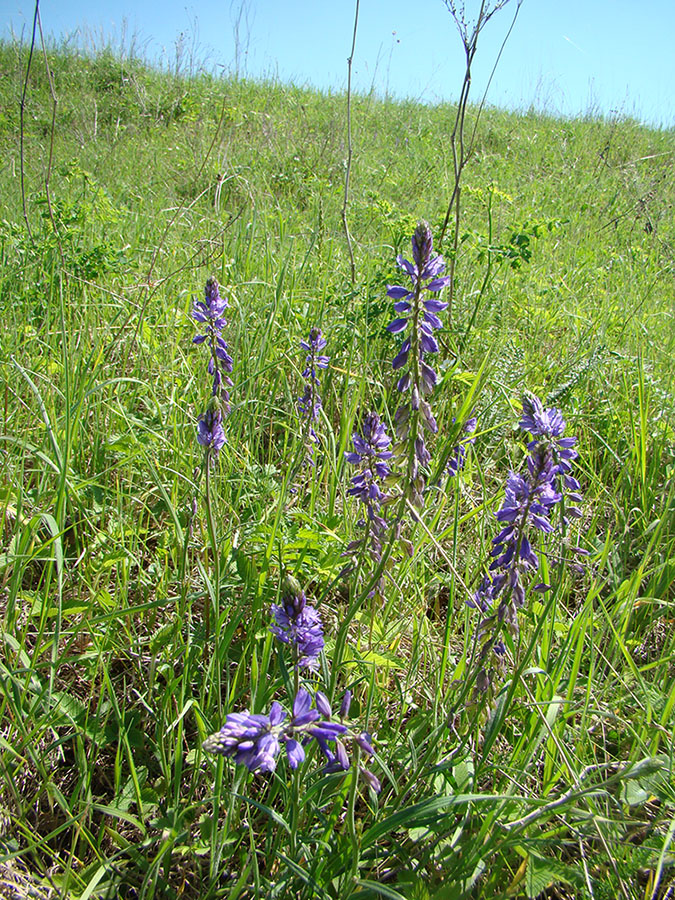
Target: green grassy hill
pixel 136 581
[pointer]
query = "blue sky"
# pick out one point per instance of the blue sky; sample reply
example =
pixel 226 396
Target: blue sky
pixel 565 56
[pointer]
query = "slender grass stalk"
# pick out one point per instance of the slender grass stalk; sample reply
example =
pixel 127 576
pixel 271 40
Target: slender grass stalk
pixel 348 167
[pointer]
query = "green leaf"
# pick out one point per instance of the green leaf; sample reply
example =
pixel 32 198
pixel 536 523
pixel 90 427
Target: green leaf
pixel 380 890
pixel 463 773
pixel 417 834
pixel 246 567
pixel 272 814
pixel 647 777
pixel 541 873
pixel 413 817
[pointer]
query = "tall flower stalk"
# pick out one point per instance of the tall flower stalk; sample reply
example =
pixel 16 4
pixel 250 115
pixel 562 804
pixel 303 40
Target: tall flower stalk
pixel 209 313
pixel 417 309
pixel 371 455
pixel 529 501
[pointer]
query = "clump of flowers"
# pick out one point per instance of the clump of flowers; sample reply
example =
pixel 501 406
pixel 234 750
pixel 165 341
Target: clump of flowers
pixel 309 404
pixel 210 431
pixel 209 312
pixel 417 311
pixel 298 624
pixel 371 455
pixel 529 501
pixel 255 740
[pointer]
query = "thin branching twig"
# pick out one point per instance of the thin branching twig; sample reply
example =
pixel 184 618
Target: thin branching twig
pixel 461 151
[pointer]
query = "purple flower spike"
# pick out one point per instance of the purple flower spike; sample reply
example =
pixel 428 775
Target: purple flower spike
pixel 421 271
pixel 209 312
pixel 255 740
pixel 418 306
pixel 527 508
pixel 250 740
pixel 210 431
pixel 371 454
pixel 309 404
pixel 297 623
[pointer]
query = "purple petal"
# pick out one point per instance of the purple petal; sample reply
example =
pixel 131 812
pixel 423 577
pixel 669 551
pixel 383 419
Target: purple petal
pixel 346 702
pixel 428 375
pixel 302 703
pixel 428 342
pixel 327 731
pixel 403 382
pixel 277 715
pixel 433 320
pixel 438 283
pixel 397 292
pixel 435 306
pixel 401 357
pixel 323 705
pixel 365 743
pixel 341 755
pixel 371 780
pixel 407 266
pixel 433 268
pixel 295 753
pixel 396 325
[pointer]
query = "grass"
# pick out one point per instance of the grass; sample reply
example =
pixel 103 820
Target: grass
pixel 561 784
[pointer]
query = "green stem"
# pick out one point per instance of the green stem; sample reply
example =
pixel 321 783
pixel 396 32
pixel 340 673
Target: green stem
pixel 215 554
pixel 351 820
pixel 450 607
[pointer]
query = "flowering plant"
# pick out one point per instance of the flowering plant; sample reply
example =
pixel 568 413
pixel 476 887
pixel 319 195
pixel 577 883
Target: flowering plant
pixel 417 308
pixel 527 508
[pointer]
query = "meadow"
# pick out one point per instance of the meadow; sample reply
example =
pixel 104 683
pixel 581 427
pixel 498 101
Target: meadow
pixel 159 540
